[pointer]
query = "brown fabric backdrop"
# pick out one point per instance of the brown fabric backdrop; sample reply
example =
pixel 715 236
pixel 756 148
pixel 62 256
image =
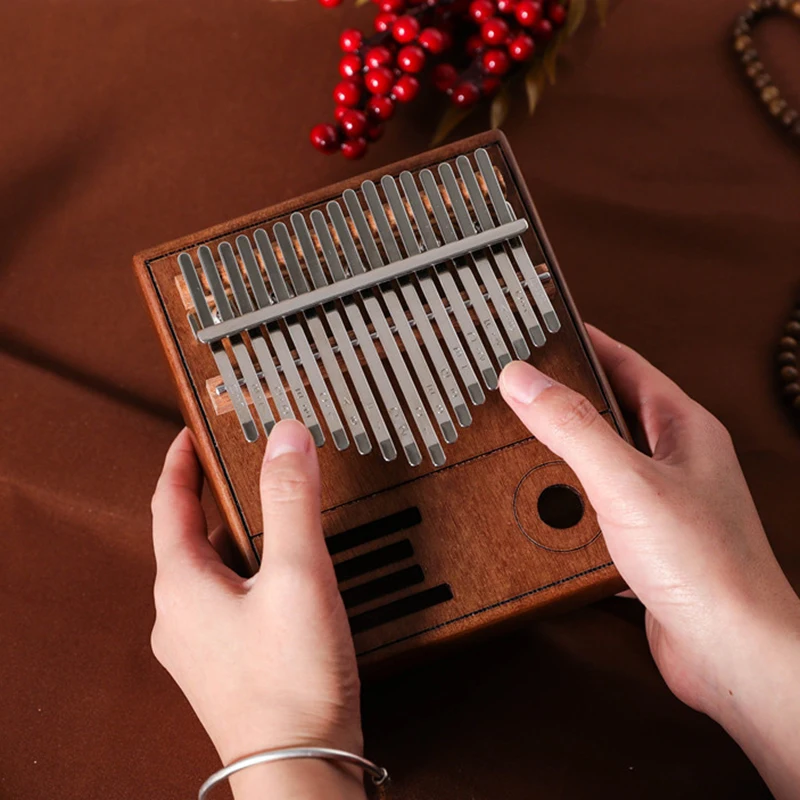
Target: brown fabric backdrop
pixel 673 207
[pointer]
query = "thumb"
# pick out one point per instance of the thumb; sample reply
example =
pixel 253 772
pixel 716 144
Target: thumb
pixel 569 425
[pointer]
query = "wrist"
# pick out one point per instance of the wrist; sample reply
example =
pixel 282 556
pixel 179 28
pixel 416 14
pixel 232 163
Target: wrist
pixel 301 779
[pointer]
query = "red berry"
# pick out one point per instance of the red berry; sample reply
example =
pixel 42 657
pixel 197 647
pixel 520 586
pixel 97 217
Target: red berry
pixel 350 66
pixel 474 45
pixel 521 47
pixel 384 21
pixel 405 29
pixel 506 6
pixel 465 94
pixel 339 112
pixel 557 15
pixel 433 40
pixel 354 123
pixel 379 80
pixel 354 148
pixel 330 3
pixel 406 88
pixel 347 93
pixel 489 86
pixel 494 31
pixel 495 62
pixel 392 6
pixel 380 107
pixel 448 40
pixel 350 40
pixel 543 30
pixel 325 138
pixel 378 57
pixel 481 10
pixel 374 132
pixel 528 12
pixel 411 58
pixel 444 77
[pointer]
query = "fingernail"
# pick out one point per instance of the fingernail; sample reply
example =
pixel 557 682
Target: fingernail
pixel 523 383
pixel 288 436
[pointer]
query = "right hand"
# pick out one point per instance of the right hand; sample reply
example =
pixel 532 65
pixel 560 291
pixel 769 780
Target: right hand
pixel 684 533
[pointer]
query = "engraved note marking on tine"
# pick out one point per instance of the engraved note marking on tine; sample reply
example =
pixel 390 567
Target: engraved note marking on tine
pixel 504 215
pixel 277 338
pixel 398 314
pixel 378 320
pixel 342 339
pixel 465 273
pixel 251 380
pixel 460 310
pixel 432 296
pixel 485 269
pixel 381 378
pixel 322 343
pixel 217 350
pixel 499 254
pixel 300 341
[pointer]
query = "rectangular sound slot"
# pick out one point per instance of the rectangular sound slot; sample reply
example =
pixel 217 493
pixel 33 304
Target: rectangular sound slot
pixel 376 529
pixel 360 565
pixel 379 587
pixel 401 608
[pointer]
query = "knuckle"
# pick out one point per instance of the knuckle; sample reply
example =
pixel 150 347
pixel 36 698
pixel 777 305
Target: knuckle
pixel 284 484
pixel 575 415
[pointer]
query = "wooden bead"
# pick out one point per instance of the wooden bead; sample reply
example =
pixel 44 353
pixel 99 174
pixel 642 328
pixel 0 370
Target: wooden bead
pixel 789 117
pixel 796 9
pixel 763 80
pixel 787 357
pixel 777 106
pixel 788 343
pixel 770 93
pixel 742 43
pixel 754 68
pixel 749 55
pixel 792 328
pixel 789 374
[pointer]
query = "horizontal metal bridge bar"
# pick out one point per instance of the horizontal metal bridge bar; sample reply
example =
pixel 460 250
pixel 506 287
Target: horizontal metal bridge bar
pixel 359 283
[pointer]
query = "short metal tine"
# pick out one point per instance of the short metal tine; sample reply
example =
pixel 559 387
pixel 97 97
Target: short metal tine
pixel 467 277
pixel 217 350
pixel 501 258
pixel 429 338
pixel 507 270
pixel 231 266
pixel 320 337
pixel 285 358
pixel 448 285
pixel 518 249
pixel 392 351
pixel 485 269
pixel 367 347
pixel 265 359
pixel 342 339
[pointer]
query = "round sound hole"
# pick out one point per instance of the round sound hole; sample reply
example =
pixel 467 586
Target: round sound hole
pixel 560 506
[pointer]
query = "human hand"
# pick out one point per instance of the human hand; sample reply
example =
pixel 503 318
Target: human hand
pixel 267 662
pixel 722 620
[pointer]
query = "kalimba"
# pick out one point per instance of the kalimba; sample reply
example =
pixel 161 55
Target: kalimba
pixel 379 312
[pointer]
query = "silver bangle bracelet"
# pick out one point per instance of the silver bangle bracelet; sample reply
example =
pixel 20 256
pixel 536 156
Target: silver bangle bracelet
pixel 379 774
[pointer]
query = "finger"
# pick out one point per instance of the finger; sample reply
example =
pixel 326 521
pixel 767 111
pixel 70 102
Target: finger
pixel 222 541
pixel 290 498
pixel 657 401
pixel 179 524
pixel 570 426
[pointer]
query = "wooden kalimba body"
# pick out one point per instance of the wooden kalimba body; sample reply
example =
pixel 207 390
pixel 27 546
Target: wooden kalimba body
pixel 379 312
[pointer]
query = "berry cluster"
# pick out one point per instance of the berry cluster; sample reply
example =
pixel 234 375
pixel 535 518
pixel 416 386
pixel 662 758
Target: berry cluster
pixel 383 70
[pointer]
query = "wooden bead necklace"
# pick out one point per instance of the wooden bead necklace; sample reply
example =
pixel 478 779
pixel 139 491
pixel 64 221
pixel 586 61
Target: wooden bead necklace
pixel 743 46
pixel 788 367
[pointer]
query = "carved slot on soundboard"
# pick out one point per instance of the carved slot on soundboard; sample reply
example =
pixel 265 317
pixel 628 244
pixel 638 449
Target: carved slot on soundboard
pixel 403 607
pixel 383 557
pixel 370 531
pixel 380 587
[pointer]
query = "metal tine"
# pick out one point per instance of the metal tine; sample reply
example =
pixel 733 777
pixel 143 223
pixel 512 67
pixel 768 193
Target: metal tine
pixel 433 298
pixel 224 366
pixel 231 266
pixel 300 341
pixel 342 339
pixel 276 335
pixel 367 346
pixel 518 249
pixel 390 348
pixel 240 350
pixel 465 273
pixel 265 360
pixel 448 283
pixel 501 258
pixel 429 338
pixel 323 345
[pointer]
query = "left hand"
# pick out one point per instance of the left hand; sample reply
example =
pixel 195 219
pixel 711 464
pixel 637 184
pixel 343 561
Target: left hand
pixel 266 662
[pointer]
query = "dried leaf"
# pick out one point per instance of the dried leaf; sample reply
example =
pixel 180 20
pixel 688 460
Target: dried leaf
pixel 551 56
pixel 534 86
pixel 602 11
pixel 575 15
pixel 451 119
pixel 500 108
